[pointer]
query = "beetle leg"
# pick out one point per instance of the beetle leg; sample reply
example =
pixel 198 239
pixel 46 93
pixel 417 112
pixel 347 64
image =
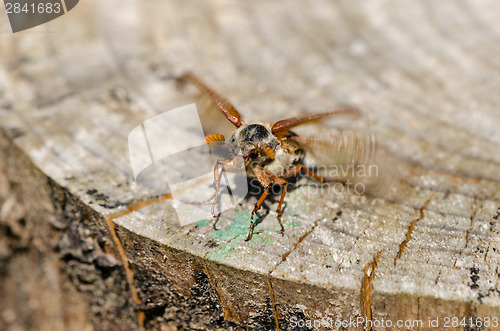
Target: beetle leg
pixel 282 182
pixel 227 165
pixel 296 169
pixel 217 176
pixel 261 177
pixel 292 171
pixel 264 178
pixel 313 175
pixel 254 210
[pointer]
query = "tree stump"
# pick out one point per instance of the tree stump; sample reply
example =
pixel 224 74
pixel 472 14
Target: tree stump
pixel 83 246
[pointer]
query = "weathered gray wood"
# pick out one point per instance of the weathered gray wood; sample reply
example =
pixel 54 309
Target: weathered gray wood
pixel 426 75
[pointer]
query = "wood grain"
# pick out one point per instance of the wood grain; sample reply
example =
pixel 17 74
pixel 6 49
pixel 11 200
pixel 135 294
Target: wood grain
pixel 424 73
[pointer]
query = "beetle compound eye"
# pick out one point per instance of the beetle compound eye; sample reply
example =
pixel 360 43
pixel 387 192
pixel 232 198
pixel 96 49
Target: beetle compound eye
pixel 254 153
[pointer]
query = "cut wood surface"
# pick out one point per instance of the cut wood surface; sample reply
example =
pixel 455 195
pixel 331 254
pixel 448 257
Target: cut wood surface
pixel 426 75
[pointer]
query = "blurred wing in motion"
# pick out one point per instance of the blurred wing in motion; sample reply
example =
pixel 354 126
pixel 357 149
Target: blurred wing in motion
pixel 340 148
pixel 349 156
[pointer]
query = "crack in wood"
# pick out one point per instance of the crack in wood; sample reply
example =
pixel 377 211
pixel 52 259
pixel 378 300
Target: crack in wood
pixel 283 259
pixel 403 244
pixel 121 249
pixel 418 309
pixel 437 278
pixel 497 285
pixel 302 238
pixel 467 233
pixel 273 302
pixel 130 274
pixel 139 205
pixel 485 259
pixel 128 271
pixel 366 291
pixel 229 311
pixel 149 201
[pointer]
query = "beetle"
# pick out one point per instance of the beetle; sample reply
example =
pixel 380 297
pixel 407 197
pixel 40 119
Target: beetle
pixel 271 153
